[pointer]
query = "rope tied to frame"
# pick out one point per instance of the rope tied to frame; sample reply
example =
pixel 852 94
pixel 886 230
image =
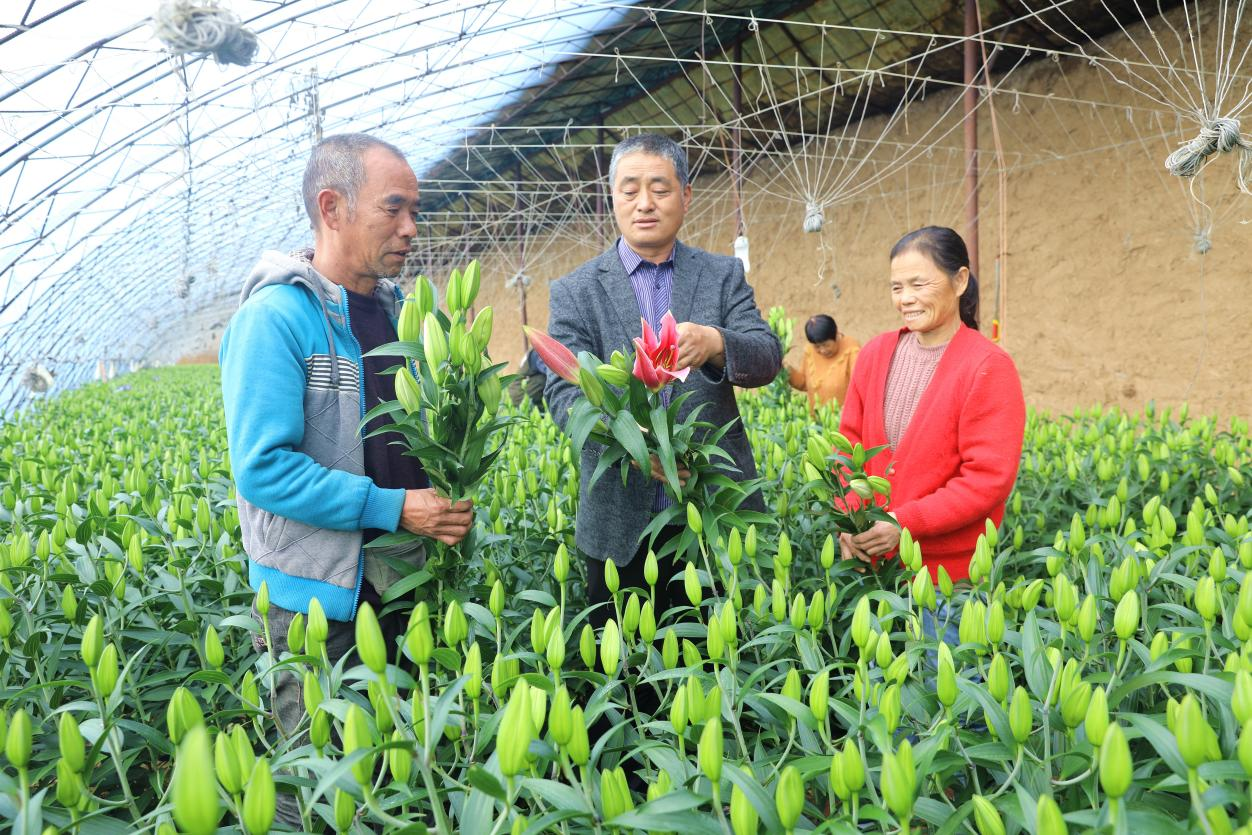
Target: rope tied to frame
pixel 814 217
pixel 1202 242
pixel 203 27
pixel 1216 135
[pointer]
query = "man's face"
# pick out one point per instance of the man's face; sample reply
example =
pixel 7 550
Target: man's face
pixel 376 236
pixel 648 203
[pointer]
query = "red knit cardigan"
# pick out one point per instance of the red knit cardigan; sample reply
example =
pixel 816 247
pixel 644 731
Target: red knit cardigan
pixel 958 459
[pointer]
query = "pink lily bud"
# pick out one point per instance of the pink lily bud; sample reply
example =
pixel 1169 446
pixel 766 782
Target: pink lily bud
pixel 555 355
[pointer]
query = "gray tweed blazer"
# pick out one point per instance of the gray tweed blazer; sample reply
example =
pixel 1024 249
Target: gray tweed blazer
pixel 594 309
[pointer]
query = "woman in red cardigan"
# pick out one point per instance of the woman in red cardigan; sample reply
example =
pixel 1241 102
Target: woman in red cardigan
pixel 945 400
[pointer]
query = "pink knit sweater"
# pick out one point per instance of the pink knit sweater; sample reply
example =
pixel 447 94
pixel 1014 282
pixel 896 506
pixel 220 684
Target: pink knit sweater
pixel 912 366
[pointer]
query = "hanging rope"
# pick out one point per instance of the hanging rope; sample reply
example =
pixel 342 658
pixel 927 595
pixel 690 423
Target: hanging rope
pixel 203 27
pixel 1202 242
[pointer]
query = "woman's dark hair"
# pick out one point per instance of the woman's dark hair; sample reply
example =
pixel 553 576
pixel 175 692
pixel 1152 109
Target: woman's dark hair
pixel 820 328
pixel 947 250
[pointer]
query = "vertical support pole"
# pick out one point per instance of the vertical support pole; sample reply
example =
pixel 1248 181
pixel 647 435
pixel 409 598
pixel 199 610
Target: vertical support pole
pixel 972 29
pixel 598 153
pixel 521 258
pixel 736 165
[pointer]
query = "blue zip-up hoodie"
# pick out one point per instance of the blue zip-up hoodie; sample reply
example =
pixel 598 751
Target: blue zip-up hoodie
pixel 294 398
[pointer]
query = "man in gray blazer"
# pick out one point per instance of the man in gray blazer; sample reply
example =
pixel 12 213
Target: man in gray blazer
pixel 722 338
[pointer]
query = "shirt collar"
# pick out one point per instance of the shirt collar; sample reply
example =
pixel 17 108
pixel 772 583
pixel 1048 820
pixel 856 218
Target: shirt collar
pixel 631 259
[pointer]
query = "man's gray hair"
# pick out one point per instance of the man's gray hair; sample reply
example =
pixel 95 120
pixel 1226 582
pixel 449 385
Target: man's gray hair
pixel 338 164
pixel 655 144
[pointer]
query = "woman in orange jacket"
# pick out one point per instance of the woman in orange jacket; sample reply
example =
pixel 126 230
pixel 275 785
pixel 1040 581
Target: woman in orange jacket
pixel 829 357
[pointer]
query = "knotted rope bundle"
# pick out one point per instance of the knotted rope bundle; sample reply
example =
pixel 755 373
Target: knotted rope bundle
pixel 1220 135
pixel 203 27
pixel 814 217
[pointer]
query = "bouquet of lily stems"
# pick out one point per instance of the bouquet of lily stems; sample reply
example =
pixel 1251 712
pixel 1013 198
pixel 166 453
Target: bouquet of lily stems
pixel 623 409
pixel 446 412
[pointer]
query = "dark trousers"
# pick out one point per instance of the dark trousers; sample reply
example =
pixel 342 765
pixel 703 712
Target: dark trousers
pixel 631 576
pixel 288 708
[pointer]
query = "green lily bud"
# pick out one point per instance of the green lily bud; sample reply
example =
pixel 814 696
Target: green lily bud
pixel 357 737
pixel 1206 599
pixel 249 692
pixel 1192 732
pixel 418 640
pixel 1241 700
pixel 1087 619
pixel 819 696
pixel 554 653
pixel 799 612
pixel 317 628
pixel 612 580
pixel 694 521
pixel 828 552
pixel 630 615
pixel 1074 704
pixel 995 622
pixel 817 610
pixel 370 645
pixel 470 281
pixel 691 584
pixel 489 390
pixel 435 345
pixel 613 375
pixel 758 600
pixel 409 325
pixel 945 687
pixel 196 806
pixel 1115 764
pixel 987 817
pixel 473 668
pixel 1048 818
pixel 678 710
pixel 713 641
pixel 587 646
pixel 1030 596
pixel 945 582
pixel 778 601
pixel 408 392
pixel 70 742
pixel 744 819
pixel 1244 748
pixel 669 649
pixel 514 734
pixel 592 388
pixel 861 623
pixel 18 741
pixel 890 707
pixel 899 669
pixel 295 633
pixel 1096 721
pixel 899 781
pixel 227 764
pixel 455 625
pixel 789 797
pixel 647 622
pixel 749 542
pixel 651 571
pixel 998 678
pixel 791 685
pixel 93 641
pixel 481 329
pixel 258 800
pixel 610 648
pixel 345 810
pixel 69 788
pixel 882 652
pixel 560 718
pixel 660 787
pixel 104 676
pixel 1126 617
pixel 496 600
pixel 709 752
pixel 579 748
pixel 1020 719
pixel 69 604
pixel 853 767
pixel 213 652
pixel 399 760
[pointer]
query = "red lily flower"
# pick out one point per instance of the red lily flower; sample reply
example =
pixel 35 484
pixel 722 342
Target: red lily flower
pixel 557 357
pixel 657 354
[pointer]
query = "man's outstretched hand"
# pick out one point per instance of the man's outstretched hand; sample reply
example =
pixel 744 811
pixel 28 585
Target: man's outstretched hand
pixel 428 514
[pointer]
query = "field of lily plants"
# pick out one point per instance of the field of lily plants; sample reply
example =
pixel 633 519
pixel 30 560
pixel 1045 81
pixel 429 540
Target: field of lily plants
pixel 1095 675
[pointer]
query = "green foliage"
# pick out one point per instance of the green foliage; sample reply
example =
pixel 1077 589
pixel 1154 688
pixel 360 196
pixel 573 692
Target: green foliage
pixel 125 609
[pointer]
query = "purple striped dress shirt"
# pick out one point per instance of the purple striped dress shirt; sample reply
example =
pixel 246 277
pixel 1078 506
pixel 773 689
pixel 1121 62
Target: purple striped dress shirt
pixel 653 285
